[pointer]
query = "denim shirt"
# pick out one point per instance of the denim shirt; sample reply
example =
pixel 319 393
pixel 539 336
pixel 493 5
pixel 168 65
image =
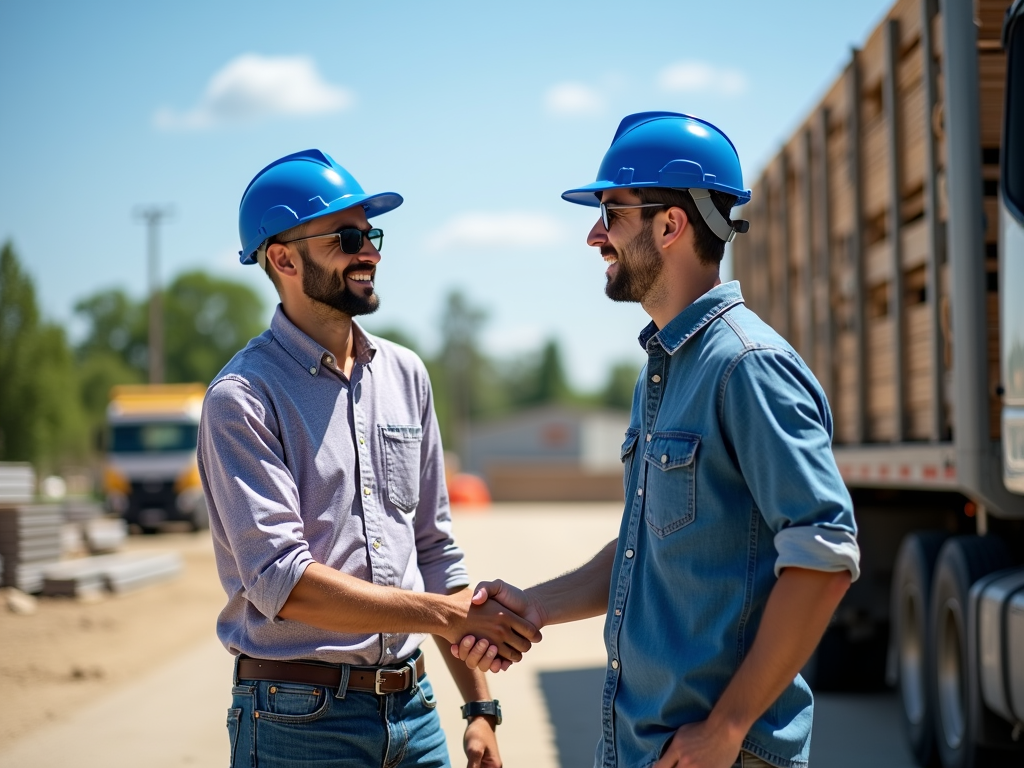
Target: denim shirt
pixel 729 478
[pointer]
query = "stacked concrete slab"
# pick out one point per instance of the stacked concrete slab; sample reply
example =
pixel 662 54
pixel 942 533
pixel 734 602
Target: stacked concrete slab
pixel 30 534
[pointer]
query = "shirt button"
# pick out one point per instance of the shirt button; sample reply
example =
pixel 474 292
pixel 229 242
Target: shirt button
pixel 664 458
pixel 376 543
pixel 312 369
pixel 366 491
pixel 618 612
pixel 362 440
pixel 648 437
pixel 639 491
pixel 655 378
pixel 615 663
pixel 629 553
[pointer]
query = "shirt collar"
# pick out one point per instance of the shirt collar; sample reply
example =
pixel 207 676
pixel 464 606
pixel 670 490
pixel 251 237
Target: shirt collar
pixel 692 319
pixel 310 355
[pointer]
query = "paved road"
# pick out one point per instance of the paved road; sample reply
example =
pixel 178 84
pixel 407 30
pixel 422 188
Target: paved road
pixel 175 715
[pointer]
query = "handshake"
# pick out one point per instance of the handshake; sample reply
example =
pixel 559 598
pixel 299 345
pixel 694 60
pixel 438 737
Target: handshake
pixel 501 624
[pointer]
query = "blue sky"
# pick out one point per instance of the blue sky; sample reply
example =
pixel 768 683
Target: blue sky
pixel 479 113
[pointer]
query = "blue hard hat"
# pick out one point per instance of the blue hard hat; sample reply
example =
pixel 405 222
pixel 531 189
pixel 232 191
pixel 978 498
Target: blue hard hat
pixel 666 149
pixel 296 189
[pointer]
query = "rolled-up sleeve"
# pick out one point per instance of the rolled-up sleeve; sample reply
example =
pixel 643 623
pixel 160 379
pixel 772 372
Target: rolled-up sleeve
pixel 441 562
pixel 251 494
pixel 780 428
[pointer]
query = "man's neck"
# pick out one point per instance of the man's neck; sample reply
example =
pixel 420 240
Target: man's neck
pixel 679 294
pixel 328 327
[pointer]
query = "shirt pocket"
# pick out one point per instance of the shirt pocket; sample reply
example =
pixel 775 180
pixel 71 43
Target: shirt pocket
pixel 627 454
pixel 671 501
pixel 402 464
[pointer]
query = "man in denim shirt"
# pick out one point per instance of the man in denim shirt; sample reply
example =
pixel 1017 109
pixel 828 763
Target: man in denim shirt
pixel 738 539
pixel 321 462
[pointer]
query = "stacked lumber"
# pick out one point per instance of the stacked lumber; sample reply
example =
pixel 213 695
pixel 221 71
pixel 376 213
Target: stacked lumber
pixel 846 256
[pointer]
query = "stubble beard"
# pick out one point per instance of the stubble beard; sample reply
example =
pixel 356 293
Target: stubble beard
pixel 329 288
pixel 639 266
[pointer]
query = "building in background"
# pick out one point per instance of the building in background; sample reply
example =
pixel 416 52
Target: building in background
pixel 554 453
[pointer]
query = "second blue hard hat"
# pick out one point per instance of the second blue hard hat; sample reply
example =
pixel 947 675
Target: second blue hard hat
pixel 666 149
pixel 296 189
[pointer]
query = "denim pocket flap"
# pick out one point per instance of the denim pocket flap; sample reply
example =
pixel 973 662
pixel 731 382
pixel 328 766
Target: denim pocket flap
pixel 629 443
pixel 669 450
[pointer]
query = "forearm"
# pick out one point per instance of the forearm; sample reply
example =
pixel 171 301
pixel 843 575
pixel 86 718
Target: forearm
pixel 579 594
pixel 337 602
pixel 797 613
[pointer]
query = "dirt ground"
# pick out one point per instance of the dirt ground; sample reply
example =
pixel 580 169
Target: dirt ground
pixel 70 651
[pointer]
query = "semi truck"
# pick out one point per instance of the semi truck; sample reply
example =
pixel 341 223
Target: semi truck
pixel 150 473
pixel 886 244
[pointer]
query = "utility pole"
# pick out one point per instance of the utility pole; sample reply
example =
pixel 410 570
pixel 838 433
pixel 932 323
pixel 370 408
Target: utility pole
pixel 153 215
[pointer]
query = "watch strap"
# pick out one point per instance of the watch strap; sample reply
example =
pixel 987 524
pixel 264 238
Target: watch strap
pixel 475 708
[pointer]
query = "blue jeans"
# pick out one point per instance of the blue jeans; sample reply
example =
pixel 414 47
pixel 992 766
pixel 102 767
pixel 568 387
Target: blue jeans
pixel 286 725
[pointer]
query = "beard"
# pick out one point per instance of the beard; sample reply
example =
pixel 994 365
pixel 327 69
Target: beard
pixel 639 266
pixel 329 288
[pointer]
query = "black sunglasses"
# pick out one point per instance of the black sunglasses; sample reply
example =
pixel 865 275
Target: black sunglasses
pixel 350 239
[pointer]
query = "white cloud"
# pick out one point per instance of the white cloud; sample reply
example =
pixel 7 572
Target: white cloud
pixel 495 230
pixel 573 100
pixel 251 86
pixel 701 77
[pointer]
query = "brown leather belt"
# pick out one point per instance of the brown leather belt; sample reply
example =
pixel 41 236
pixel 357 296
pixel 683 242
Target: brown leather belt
pixel 379 680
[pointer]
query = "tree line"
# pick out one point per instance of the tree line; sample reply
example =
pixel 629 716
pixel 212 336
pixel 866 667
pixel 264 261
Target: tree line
pixel 54 391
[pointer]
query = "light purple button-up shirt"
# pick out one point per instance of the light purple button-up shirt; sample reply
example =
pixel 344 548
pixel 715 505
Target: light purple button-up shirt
pixel 301 464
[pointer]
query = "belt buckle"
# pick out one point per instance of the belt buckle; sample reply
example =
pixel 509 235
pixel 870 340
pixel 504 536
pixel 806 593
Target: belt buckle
pixel 378 681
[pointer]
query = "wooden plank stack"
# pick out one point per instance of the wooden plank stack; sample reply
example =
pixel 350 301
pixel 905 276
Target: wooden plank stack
pixel 846 255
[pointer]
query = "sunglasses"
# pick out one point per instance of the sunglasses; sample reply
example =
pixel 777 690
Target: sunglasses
pixel 606 219
pixel 350 239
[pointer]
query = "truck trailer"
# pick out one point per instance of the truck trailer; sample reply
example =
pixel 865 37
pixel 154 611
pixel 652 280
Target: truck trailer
pixel 886 244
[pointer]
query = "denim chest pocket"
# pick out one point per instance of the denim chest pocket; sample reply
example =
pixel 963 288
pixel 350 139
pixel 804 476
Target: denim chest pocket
pixel 402 464
pixel 671 501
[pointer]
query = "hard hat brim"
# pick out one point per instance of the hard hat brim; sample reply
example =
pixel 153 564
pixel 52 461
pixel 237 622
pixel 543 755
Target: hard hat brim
pixel 374 205
pixel 589 194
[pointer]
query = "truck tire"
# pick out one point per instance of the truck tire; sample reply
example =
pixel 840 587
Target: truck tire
pixel 962 561
pixel 911 598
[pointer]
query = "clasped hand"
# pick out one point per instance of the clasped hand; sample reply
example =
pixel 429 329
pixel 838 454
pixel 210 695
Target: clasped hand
pixel 485 652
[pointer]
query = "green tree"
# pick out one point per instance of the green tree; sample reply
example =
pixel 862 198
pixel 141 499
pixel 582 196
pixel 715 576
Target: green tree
pixel 543 382
pixel 40 412
pixel 618 392
pixel 206 321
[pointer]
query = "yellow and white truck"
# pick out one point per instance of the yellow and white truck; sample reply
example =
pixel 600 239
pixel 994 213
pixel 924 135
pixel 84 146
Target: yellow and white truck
pixel 150 474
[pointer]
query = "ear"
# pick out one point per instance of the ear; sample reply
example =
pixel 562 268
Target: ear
pixel 282 259
pixel 674 224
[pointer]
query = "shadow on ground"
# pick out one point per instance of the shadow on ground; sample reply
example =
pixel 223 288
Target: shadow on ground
pixel 573 698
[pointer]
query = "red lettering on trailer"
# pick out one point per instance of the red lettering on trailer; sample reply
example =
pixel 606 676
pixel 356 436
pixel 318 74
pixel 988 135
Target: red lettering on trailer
pixel 904 471
pixel 883 470
pixel 950 471
pixel 930 473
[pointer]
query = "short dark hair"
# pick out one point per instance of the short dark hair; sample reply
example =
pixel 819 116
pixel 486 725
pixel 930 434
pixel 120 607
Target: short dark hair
pixel 706 244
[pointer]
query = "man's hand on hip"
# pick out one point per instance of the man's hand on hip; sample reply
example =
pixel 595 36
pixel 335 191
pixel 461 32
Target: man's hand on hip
pixel 699 745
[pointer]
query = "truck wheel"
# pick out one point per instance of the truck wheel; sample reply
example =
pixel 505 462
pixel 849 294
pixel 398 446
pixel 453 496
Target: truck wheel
pixel 911 596
pixel 962 561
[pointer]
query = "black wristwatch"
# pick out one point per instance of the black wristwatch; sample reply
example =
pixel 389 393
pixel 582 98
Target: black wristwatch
pixel 474 708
